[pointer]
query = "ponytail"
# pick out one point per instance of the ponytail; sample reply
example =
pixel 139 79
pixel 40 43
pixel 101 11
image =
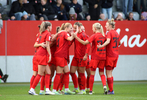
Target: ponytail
pixel 111 22
pixel 99 27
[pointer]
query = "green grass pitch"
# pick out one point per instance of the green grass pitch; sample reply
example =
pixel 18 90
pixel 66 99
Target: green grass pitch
pixel 136 90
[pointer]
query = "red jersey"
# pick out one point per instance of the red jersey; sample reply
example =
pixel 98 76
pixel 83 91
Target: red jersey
pixel 62 45
pixel 53 48
pixel 80 49
pixel 96 53
pixel 37 40
pixel 112 47
pixel 45 36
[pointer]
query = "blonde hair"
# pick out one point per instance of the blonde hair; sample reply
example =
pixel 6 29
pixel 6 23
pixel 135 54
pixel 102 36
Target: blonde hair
pixel 111 22
pixel 44 26
pixel 78 24
pixel 98 26
pixel 62 27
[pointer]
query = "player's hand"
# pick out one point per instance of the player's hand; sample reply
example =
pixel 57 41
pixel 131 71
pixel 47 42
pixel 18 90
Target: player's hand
pixel 43 45
pixel 49 59
pixel 95 6
pixel 99 46
pixel 85 58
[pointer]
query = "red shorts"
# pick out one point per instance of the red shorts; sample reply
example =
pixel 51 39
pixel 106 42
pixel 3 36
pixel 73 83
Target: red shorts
pixel 97 63
pixel 111 62
pixel 35 64
pixel 62 62
pixel 88 62
pixel 42 60
pixel 53 61
pixel 78 62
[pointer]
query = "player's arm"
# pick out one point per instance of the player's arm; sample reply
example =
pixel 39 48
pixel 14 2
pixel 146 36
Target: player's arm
pixel 87 52
pixel 40 44
pixel 103 45
pixel 81 41
pixel 48 50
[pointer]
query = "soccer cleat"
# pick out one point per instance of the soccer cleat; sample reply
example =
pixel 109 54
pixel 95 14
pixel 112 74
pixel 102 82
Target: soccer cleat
pixel 82 92
pixel 110 92
pixel 87 90
pixel 105 90
pixel 32 92
pixel 49 93
pixel 76 91
pixel 42 93
pixel 90 92
pixel 68 92
pixel 61 92
pixel 57 93
pixel 4 78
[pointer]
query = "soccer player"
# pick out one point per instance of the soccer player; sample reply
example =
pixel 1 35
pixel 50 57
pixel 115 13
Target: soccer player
pixel 79 61
pixel 35 63
pixel 61 57
pixel 98 56
pixel 88 69
pixel 112 54
pixel 43 58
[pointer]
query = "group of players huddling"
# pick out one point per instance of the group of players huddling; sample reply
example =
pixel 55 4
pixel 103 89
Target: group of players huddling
pixel 52 54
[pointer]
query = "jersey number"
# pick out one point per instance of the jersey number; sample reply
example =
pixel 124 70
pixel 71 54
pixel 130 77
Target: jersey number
pixel 40 39
pixel 58 42
pixel 116 42
pixel 100 42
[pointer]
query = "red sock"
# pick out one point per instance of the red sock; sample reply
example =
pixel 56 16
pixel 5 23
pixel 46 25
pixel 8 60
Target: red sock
pixel 88 82
pixel 60 86
pixel 91 81
pixel 50 84
pixel 32 80
pixel 74 79
pixel 103 79
pixel 47 80
pixel 82 81
pixel 36 81
pixel 110 83
pixel 66 80
pixel 42 83
pixel 85 81
pixel 79 82
pixel 56 81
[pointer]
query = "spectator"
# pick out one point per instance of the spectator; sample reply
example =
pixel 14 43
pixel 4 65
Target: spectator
pixel 72 14
pixel 29 9
pixel 119 17
pixel 102 17
pixel 127 6
pixel 77 7
pixel 60 10
pixel 130 17
pixel 107 8
pixel 140 5
pixel 3 77
pixel 144 16
pixel 94 8
pixel 17 10
pixel 45 9
pixel 87 17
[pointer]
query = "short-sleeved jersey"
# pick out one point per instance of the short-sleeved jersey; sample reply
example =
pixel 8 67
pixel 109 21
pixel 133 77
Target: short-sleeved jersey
pixel 96 53
pixel 62 45
pixel 80 49
pixel 53 48
pixel 45 36
pixel 37 40
pixel 112 47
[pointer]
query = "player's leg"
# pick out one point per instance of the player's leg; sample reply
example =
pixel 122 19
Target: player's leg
pixel 41 70
pixel 53 68
pixel 82 77
pixel 66 80
pixel 88 71
pixel 91 80
pixel 47 80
